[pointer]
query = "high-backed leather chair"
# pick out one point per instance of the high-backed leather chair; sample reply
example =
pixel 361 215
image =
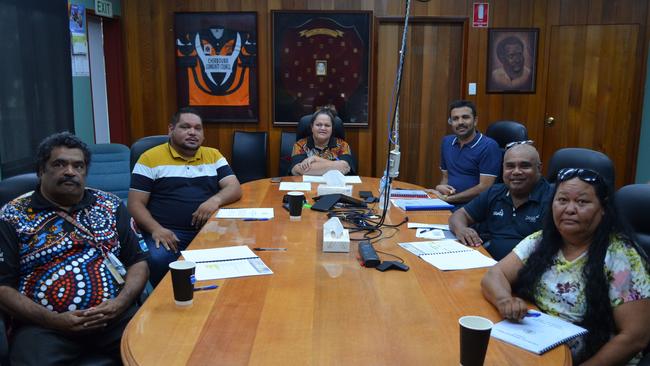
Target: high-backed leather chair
pixel 287 140
pixel 15 186
pixel 577 157
pixel 145 144
pixel 109 169
pixel 249 155
pixel 632 202
pixel 4 343
pixel 504 132
pixel 304 127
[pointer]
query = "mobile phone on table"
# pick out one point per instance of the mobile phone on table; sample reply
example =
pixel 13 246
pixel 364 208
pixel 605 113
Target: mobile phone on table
pixel 365 194
pixel 276 179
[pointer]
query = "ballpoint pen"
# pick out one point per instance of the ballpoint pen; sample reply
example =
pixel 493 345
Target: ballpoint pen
pixel 205 288
pixel 270 249
pixel 532 314
pixel 252 219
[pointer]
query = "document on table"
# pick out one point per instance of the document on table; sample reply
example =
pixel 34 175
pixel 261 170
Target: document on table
pixel 448 255
pixel 430 233
pixel 421 204
pixel 537 332
pixel 295 186
pixel 245 213
pixel 227 262
pixel 416 225
pixel 349 179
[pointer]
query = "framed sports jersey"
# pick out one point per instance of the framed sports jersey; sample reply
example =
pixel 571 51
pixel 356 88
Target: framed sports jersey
pixel 321 58
pixel 216 64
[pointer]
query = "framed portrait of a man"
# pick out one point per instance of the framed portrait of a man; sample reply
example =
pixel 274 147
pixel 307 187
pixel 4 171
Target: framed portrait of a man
pixel 512 60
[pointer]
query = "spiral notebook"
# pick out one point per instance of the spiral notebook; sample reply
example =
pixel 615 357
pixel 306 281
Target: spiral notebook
pixel 448 255
pixel 537 332
pixel 226 262
pixel 421 204
pixel 408 193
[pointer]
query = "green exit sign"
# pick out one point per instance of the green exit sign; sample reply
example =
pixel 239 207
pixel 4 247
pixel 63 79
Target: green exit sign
pixel 104 8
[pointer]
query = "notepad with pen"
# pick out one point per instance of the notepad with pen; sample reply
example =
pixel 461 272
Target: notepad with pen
pixel 448 255
pixel 538 334
pixel 226 262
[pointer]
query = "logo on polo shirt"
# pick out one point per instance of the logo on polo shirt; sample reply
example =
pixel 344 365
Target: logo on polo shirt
pixel 531 219
pixel 498 213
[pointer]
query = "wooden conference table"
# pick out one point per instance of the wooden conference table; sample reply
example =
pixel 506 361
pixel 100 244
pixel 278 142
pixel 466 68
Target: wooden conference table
pixel 317 308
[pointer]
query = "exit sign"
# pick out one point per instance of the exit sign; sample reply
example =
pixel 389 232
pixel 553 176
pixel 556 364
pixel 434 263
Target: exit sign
pixel 104 8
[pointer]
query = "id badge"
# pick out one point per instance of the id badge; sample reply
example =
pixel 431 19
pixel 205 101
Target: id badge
pixel 116 263
pixel 116 275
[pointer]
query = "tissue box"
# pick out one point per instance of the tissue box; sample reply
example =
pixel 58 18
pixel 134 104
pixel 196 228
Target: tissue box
pixel 325 189
pixel 331 244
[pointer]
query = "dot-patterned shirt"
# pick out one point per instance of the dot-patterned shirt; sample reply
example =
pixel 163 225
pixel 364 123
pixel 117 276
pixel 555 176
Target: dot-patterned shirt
pixel 58 265
pixel 337 149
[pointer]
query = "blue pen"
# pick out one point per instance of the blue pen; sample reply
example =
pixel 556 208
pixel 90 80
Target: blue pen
pixel 256 219
pixel 532 314
pixel 204 288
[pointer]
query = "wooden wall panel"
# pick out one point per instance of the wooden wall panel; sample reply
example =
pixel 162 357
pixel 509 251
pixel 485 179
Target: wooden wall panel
pixel 151 96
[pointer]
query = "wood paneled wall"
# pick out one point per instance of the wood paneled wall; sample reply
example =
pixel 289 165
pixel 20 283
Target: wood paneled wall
pixel 151 96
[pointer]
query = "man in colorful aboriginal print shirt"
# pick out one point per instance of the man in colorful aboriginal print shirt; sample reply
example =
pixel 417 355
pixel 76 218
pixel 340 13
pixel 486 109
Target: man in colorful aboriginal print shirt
pixel 71 266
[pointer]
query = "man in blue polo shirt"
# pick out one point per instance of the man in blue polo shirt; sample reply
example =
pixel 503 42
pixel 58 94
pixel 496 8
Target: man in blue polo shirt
pixel 176 187
pixel 509 211
pixel 470 161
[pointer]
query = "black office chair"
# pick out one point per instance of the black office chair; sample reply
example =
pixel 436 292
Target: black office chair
pixel 109 169
pixel 145 144
pixel 15 186
pixel 576 157
pixel 304 127
pixel 504 132
pixel 632 202
pixel 4 343
pixel 287 140
pixel 249 155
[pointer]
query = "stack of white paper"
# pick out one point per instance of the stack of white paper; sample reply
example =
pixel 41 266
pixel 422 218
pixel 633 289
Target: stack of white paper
pixel 245 213
pixel 349 179
pixel 295 186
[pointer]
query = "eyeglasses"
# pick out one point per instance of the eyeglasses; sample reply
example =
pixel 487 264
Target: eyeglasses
pixel 515 143
pixel 585 175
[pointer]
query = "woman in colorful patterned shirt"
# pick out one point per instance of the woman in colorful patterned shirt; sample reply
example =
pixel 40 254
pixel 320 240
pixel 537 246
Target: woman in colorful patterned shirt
pixel 321 152
pixel 582 267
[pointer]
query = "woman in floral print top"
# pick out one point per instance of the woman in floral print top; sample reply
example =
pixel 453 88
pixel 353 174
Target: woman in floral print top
pixel 584 268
